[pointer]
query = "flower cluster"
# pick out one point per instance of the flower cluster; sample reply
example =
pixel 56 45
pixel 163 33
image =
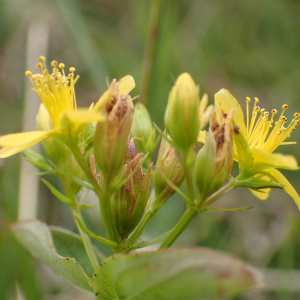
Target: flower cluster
pixel 108 147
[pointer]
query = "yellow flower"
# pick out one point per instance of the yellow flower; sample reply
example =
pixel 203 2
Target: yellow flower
pixel 257 139
pixel 57 94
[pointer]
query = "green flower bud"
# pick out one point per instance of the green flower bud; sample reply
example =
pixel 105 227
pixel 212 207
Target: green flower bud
pixel 112 134
pixel 215 160
pixel 129 202
pixel 168 164
pixel 142 128
pixel 182 113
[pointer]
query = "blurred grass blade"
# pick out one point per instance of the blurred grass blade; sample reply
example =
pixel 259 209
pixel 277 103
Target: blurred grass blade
pixel 84 41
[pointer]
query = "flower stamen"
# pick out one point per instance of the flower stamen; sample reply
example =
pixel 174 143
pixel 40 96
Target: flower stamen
pixel 259 133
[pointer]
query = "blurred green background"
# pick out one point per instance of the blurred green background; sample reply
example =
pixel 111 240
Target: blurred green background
pixel 251 48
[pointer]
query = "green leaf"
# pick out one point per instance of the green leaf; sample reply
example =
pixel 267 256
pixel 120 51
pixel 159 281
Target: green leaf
pixel 177 274
pixel 59 195
pixel 69 244
pixel 36 237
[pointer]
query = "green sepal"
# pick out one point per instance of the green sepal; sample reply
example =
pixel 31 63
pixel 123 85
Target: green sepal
pixel 88 206
pixel 257 183
pixel 244 155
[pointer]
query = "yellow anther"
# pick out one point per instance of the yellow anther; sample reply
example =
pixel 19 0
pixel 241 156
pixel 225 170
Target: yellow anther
pixel 297 122
pixel 266 113
pixel 61 65
pixel 285 106
pixel 274 111
pixel 296 115
pixel 248 99
pixel 262 110
pixel 42 58
pixel 39 65
pixel 72 69
pixel 53 63
pixel 71 75
pixel 28 73
pixel 34 76
pixel 294 128
pixel 256 100
pixel 256 109
pixel 45 72
pixel 53 75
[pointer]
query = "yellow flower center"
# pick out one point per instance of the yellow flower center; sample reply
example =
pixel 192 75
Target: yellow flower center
pixel 259 130
pixel 55 90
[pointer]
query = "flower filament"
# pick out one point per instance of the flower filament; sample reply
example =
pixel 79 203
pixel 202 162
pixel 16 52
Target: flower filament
pixel 56 90
pixel 261 135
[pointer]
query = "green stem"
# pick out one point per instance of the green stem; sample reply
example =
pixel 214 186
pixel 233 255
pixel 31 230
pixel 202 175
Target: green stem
pixel 189 184
pixel 191 212
pixel 77 214
pixel 185 220
pixel 150 50
pixel 107 217
pixel 156 204
pixel 140 228
pixel 214 197
pixel 83 164
pixel 114 246
pixel 104 196
pixel 86 240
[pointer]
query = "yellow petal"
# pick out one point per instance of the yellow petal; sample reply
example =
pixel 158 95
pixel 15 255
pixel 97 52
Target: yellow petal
pixel 263 195
pixel 24 138
pixel 105 97
pixel 72 122
pixel 202 137
pixel 289 189
pixel 83 116
pixel 126 84
pixel 17 142
pixel 225 101
pixel 264 160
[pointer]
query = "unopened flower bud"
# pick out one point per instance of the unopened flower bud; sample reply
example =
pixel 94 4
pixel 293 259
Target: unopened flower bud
pixel 168 164
pixel 143 129
pixel 215 160
pixel 112 134
pixel 182 113
pixel 129 202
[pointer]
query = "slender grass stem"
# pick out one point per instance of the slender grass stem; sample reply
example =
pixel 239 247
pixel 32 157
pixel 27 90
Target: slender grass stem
pixel 150 50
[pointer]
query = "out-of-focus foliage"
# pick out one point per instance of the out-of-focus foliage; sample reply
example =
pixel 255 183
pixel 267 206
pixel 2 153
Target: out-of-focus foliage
pixel 248 47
